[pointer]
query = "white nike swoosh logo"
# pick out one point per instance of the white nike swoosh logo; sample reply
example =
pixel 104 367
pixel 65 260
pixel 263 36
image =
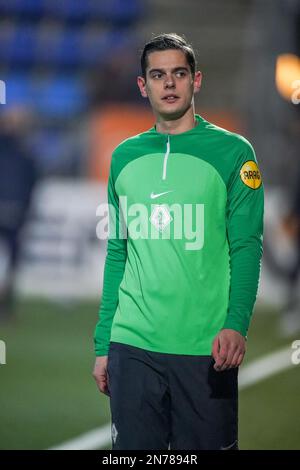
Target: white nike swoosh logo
pixel 229 447
pixel 154 196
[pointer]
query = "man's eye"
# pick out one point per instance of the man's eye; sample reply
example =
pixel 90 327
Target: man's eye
pixel 180 74
pixel 156 75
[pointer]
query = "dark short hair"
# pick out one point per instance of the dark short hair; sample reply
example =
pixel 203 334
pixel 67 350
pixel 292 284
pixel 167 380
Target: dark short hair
pixel 166 41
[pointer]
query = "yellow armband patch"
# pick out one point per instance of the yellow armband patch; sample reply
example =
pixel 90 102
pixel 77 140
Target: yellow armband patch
pixel 250 175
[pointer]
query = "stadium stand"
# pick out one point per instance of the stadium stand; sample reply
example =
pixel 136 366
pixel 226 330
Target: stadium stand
pixel 49 49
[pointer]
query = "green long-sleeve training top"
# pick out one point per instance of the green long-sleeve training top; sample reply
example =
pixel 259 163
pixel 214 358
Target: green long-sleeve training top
pixel 185 240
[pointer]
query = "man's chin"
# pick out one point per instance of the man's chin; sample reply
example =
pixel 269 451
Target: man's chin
pixel 172 114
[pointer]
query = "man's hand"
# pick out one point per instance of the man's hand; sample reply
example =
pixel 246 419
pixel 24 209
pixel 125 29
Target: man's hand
pixel 100 374
pixel 228 349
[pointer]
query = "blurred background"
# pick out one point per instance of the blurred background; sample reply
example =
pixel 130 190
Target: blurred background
pixel 68 96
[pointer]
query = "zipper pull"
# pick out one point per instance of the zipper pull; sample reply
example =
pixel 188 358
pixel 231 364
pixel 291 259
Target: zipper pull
pixel 166 158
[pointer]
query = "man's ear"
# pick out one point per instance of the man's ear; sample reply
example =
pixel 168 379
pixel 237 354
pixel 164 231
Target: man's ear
pixel 142 86
pixel 197 81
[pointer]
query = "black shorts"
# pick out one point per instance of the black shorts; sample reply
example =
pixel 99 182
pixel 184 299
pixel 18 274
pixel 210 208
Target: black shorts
pixel 164 401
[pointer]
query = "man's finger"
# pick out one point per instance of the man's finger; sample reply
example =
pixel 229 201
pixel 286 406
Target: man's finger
pixel 215 348
pixel 104 388
pixel 234 362
pixel 231 352
pixel 221 356
pixel 102 384
pixel 240 359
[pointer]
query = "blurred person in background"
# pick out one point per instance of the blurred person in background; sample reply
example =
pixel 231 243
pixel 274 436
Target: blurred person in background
pixel 17 179
pixel 290 317
pixel 173 320
pixel 121 67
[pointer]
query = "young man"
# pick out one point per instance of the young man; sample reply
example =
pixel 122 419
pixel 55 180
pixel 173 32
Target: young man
pixel 175 313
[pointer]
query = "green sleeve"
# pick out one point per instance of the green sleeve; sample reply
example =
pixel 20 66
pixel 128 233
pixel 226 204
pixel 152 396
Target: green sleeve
pixel 245 209
pixel 113 271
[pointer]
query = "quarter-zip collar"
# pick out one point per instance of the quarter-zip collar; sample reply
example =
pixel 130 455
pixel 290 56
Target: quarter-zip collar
pixel 169 137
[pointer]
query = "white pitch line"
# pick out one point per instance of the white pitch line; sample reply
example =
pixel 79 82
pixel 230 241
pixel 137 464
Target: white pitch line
pixel 250 374
pixel 265 367
pixel 88 441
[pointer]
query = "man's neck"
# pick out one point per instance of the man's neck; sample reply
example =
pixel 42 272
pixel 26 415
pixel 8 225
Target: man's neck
pixel 177 126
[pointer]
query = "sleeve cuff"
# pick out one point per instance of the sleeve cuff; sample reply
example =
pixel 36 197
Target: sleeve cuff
pixel 235 325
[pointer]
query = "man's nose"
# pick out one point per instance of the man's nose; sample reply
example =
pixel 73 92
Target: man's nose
pixel 169 82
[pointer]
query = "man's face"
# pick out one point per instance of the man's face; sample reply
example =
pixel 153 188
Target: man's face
pixel 169 84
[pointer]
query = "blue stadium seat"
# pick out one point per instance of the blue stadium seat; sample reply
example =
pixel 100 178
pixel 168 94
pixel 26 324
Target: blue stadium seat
pixel 59 48
pixel 47 46
pixel 62 96
pixel 69 10
pixel 18 46
pixel 78 47
pixel 113 11
pixel 97 49
pixel 117 11
pixel 7 33
pixel 32 8
pixel 68 52
pixel 19 90
pixel 23 45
